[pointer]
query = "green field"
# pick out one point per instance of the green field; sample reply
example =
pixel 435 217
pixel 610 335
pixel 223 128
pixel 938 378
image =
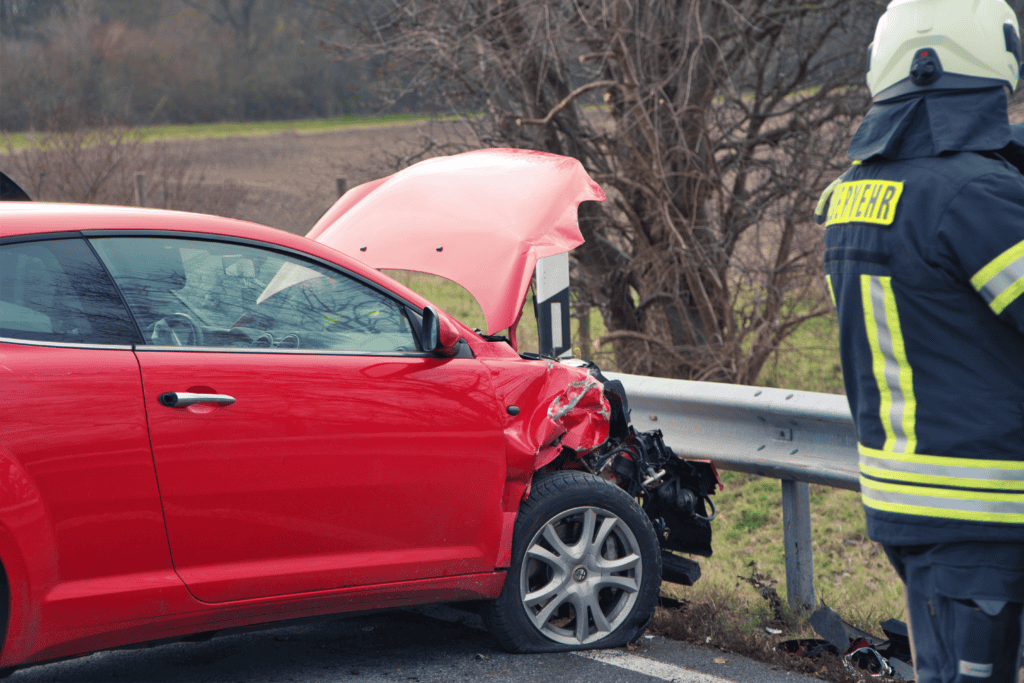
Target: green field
pixel 852 574
pixel 203 131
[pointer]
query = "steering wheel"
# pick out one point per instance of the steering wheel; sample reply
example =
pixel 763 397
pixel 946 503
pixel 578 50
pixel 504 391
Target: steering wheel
pixel 163 329
pixel 264 341
pixel 267 341
pixel 289 341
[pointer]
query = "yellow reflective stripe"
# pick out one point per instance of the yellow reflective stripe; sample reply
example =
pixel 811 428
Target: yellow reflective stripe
pixel 976 506
pixel 993 267
pixel 877 361
pixel 906 377
pixel 831 292
pixel 826 195
pixel 952 482
pixel 897 405
pixel 941 460
pixel 1001 281
pixel 1008 296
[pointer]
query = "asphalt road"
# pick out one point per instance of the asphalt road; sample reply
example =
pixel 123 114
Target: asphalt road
pixel 426 645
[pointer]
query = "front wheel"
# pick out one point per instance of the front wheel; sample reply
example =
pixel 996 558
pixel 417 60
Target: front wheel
pixel 585 571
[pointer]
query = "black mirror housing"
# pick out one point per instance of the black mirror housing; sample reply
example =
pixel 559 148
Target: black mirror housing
pixel 431 335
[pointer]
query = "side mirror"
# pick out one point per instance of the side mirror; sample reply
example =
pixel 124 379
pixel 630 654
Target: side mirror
pixel 440 335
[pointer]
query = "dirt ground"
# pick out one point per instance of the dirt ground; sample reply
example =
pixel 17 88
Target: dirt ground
pixel 291 177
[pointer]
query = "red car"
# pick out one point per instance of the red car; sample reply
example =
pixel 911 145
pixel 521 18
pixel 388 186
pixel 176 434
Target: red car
pixel 209 424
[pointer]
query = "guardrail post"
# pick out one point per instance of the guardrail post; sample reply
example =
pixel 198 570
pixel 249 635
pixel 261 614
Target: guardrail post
pixel 796 526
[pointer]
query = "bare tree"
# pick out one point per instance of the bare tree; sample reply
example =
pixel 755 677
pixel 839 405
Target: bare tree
pixel 711 124
pixel 238 14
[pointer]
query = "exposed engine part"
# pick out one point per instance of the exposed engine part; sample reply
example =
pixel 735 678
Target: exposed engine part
pixel 674 492
pixel 679 569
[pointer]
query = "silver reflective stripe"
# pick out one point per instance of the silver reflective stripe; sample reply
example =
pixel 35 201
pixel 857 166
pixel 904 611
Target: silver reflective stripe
pixel 973 505
pixel 1003 280
pixel 975 670
pixel 947 471
pixel 892 367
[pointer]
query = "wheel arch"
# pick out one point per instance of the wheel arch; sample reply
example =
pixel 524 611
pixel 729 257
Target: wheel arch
pixel 28 560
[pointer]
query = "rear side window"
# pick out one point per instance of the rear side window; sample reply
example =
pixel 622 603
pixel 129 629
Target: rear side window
pixel 56 291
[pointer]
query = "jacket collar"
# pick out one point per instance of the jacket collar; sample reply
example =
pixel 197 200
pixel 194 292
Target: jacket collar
pixel 1014 152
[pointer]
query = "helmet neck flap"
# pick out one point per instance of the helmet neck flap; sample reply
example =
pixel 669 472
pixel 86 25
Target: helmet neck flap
pixel 927 125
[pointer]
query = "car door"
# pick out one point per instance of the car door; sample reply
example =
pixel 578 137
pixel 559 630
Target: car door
pixel 82 520
pixel 302 440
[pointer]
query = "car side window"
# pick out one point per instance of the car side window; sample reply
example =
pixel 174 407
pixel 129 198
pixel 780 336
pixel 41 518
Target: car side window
pixel 56 291
pixel 195 292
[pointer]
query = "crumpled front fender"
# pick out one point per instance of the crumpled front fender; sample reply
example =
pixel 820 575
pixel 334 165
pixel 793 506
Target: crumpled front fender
pixel 558 406
pixel 548 405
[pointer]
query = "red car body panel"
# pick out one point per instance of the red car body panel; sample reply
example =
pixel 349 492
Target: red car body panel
pixel 80 510
pixel 70 633
pixel 327 472
pixel 126 521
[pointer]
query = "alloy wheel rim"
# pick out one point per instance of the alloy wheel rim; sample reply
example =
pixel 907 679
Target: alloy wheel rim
pixel 581 575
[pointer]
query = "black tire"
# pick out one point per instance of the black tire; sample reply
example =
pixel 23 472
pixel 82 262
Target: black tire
pixel 547 583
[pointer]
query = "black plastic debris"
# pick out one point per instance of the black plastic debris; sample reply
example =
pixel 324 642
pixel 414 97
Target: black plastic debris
pixel 901 669
pixel 861 652
pixel 894 629
pixel 679 569
pixel 807 647
pixel 671 603
pixel 832 628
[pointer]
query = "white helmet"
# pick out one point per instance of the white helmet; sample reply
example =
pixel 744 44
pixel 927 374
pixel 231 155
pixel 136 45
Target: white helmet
pixel 923 45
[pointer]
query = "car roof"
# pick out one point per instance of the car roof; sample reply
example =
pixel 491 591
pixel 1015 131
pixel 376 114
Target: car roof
pixel 42 218
pixel 29 218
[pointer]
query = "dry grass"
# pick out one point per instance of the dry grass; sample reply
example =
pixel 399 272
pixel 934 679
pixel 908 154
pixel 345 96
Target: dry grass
pixel 713 622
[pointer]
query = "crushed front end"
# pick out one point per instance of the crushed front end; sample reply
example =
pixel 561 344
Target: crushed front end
pixel 674 492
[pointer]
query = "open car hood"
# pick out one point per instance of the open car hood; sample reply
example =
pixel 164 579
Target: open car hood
pixel 482 219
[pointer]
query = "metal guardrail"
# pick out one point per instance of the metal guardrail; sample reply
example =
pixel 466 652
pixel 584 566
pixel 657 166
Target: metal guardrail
pixel 800 437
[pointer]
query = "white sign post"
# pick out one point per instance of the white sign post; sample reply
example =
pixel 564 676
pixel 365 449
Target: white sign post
pixel 553 304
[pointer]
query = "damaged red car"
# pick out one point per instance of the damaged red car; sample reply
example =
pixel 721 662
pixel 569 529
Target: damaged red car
pixel 210 425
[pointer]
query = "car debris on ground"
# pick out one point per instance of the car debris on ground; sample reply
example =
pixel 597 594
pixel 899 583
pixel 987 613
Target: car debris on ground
pixel 860 651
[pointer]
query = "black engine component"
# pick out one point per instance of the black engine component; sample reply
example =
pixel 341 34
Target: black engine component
pixel 675 493
pixel 679 569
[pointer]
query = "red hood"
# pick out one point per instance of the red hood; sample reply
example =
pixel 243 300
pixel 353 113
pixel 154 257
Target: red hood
pixel 482 219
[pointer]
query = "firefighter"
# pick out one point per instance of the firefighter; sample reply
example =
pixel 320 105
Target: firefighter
pixel 925 263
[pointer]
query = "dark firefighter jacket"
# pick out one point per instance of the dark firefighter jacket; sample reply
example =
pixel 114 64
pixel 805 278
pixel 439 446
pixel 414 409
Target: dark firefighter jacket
pixel 925 261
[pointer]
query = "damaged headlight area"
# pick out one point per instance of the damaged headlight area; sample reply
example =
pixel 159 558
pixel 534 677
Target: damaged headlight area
pixel 674 492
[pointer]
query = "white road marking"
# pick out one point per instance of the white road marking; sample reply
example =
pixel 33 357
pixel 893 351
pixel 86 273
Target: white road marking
pixel 623 660
pixel 650 667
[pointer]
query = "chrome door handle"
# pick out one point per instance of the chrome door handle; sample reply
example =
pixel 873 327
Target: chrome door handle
pixel 181 399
